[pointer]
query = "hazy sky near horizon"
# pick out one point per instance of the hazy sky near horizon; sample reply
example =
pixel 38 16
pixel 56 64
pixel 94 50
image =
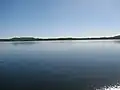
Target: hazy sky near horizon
pixel 56 18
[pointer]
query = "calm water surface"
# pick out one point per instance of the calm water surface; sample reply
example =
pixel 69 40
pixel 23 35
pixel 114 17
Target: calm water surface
pixel 60 65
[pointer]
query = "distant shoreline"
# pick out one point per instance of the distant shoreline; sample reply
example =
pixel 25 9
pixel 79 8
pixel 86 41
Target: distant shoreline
pixel 57 39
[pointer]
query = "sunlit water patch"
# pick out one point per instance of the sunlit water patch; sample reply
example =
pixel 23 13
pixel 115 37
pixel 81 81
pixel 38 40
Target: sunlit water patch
pixel 114 87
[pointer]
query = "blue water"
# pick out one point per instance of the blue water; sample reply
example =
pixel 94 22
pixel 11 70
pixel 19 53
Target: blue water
pixel 60 65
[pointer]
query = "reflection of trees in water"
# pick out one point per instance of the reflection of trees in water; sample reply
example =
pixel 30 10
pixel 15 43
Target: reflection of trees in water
pixel 23 43
pixel 117 41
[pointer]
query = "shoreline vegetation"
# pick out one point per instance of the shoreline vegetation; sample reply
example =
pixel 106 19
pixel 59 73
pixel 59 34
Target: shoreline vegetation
pixel 57 39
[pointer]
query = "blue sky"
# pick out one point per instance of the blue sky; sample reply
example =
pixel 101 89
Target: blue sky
pixel 59 18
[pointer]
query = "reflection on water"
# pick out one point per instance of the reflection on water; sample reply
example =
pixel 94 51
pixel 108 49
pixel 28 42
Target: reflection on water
pixel 23 43
pixel 75 65
pixel 117 41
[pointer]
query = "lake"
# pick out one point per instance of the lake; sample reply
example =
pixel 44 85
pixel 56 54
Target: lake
pixel 60 65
